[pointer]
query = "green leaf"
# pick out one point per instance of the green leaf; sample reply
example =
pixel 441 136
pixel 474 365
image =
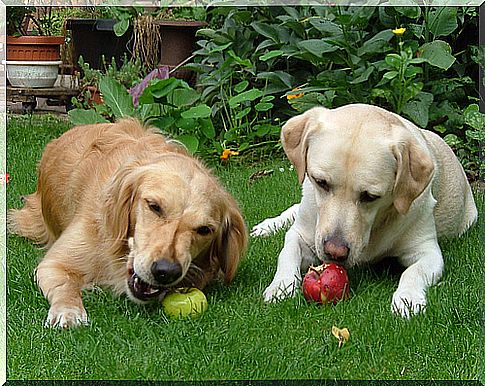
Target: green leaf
pixel 243 113
pixel 190 142
pixel 159 88
pixel 413 12
pixel 85 117
pixel 199 111
pixel 317 47
pixel 327 28
pixel 266 30
pixel 219 48
pixel 207 128
pixel 282 78
pixel 417 109
pixel 437 53
pixel 217 37
pixel 249 95
pixel 377 44
pixel 271 54
pixel 364 76
pixel 149 111
pixel 267 98
pixel 116 97
pixel 390 75
pixel 239 60
pixel 474 118
pixel 241 86
pixel 184 97
pixel 186 124
pixel 263 106
pixel 164 123
pixel 394 60
pixel 121 27
pixel 412 71
pixel 417 30
pixel 452 140
pixel 262 130
pixel 442 21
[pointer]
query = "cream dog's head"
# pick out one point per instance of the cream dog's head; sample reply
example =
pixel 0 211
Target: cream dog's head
pixel 365 167
pixel 179 224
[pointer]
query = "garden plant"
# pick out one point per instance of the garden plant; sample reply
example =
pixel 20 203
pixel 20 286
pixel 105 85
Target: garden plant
pixel 258 66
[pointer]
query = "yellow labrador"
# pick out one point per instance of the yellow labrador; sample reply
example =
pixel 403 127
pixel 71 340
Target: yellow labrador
pixel 374 185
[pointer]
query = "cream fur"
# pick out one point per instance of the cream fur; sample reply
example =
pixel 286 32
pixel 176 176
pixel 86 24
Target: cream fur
pixel 357 149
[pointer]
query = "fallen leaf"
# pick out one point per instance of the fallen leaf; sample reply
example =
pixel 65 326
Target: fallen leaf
pixel 259 174
pixel 342 335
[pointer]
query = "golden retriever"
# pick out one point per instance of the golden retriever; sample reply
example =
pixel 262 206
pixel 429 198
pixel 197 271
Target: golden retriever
pixel 118 205
pixel 374 185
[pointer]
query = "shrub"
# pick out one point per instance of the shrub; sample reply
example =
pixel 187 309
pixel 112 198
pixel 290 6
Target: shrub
pixel 415 61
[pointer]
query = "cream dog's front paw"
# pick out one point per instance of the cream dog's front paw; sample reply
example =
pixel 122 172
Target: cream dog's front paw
pixel 408 302
pixel 280 289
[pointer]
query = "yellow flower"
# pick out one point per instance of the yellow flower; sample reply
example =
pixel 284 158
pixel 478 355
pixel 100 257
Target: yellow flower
pixel 294 96
pixel 399 31
pixel 226 153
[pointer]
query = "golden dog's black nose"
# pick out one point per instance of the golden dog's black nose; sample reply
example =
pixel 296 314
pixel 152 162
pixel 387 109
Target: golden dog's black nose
pixel 166 272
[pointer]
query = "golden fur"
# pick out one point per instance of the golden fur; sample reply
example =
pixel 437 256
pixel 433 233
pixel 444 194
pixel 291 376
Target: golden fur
pixel 112 200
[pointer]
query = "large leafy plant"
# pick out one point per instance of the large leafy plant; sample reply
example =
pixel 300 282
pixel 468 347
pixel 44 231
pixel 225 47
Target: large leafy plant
pixel 412 60
pixel 169 104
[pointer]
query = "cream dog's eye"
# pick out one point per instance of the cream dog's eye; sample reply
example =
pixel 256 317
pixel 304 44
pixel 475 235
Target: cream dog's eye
pixel 204 230
pixel 368 197
pixel 323 184
pixel 155 208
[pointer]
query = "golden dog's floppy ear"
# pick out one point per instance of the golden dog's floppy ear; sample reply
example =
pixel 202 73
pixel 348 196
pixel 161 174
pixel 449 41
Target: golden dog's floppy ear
pixel 414 171
pixel 232 241
pixel 118 202
pixel 294 135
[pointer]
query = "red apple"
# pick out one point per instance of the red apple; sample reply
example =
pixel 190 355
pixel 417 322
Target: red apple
pixel 326 283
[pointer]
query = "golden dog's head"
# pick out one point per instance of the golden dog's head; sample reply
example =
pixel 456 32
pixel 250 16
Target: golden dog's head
pixel 365 168
pixel 179 225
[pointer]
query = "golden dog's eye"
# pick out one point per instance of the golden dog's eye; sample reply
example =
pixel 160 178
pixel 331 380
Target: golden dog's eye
pixel 204 230
pixel 367 197
pixel 155 208
pixel 323 184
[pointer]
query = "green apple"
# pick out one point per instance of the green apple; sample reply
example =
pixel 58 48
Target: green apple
pixel 184 302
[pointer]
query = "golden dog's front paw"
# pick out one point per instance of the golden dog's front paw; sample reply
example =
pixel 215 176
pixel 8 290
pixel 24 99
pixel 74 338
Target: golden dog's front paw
pixel 66 316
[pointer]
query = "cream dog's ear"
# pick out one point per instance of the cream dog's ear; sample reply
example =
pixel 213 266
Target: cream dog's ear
pixel 294 137
pixel 414 171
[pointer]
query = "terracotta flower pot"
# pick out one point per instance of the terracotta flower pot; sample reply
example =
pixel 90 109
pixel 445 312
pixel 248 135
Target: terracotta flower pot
pixel 34 48
pixel 96 97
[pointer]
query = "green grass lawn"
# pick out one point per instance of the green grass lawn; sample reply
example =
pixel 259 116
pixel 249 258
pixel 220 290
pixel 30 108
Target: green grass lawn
pixel 241 337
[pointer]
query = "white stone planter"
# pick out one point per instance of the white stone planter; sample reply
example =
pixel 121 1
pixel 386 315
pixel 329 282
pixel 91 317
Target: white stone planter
pixel 32 74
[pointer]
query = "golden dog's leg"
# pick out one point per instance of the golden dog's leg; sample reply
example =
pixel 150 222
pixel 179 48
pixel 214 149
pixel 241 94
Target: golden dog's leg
pixel 61 278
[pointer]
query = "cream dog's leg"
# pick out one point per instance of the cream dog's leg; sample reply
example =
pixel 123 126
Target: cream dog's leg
pixel 288 273
pixel 425 267
pixel 297 254
pixel 272 225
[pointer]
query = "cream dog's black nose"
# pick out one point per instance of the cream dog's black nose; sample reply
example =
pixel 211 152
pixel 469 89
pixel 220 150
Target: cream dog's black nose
pixel 166 272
